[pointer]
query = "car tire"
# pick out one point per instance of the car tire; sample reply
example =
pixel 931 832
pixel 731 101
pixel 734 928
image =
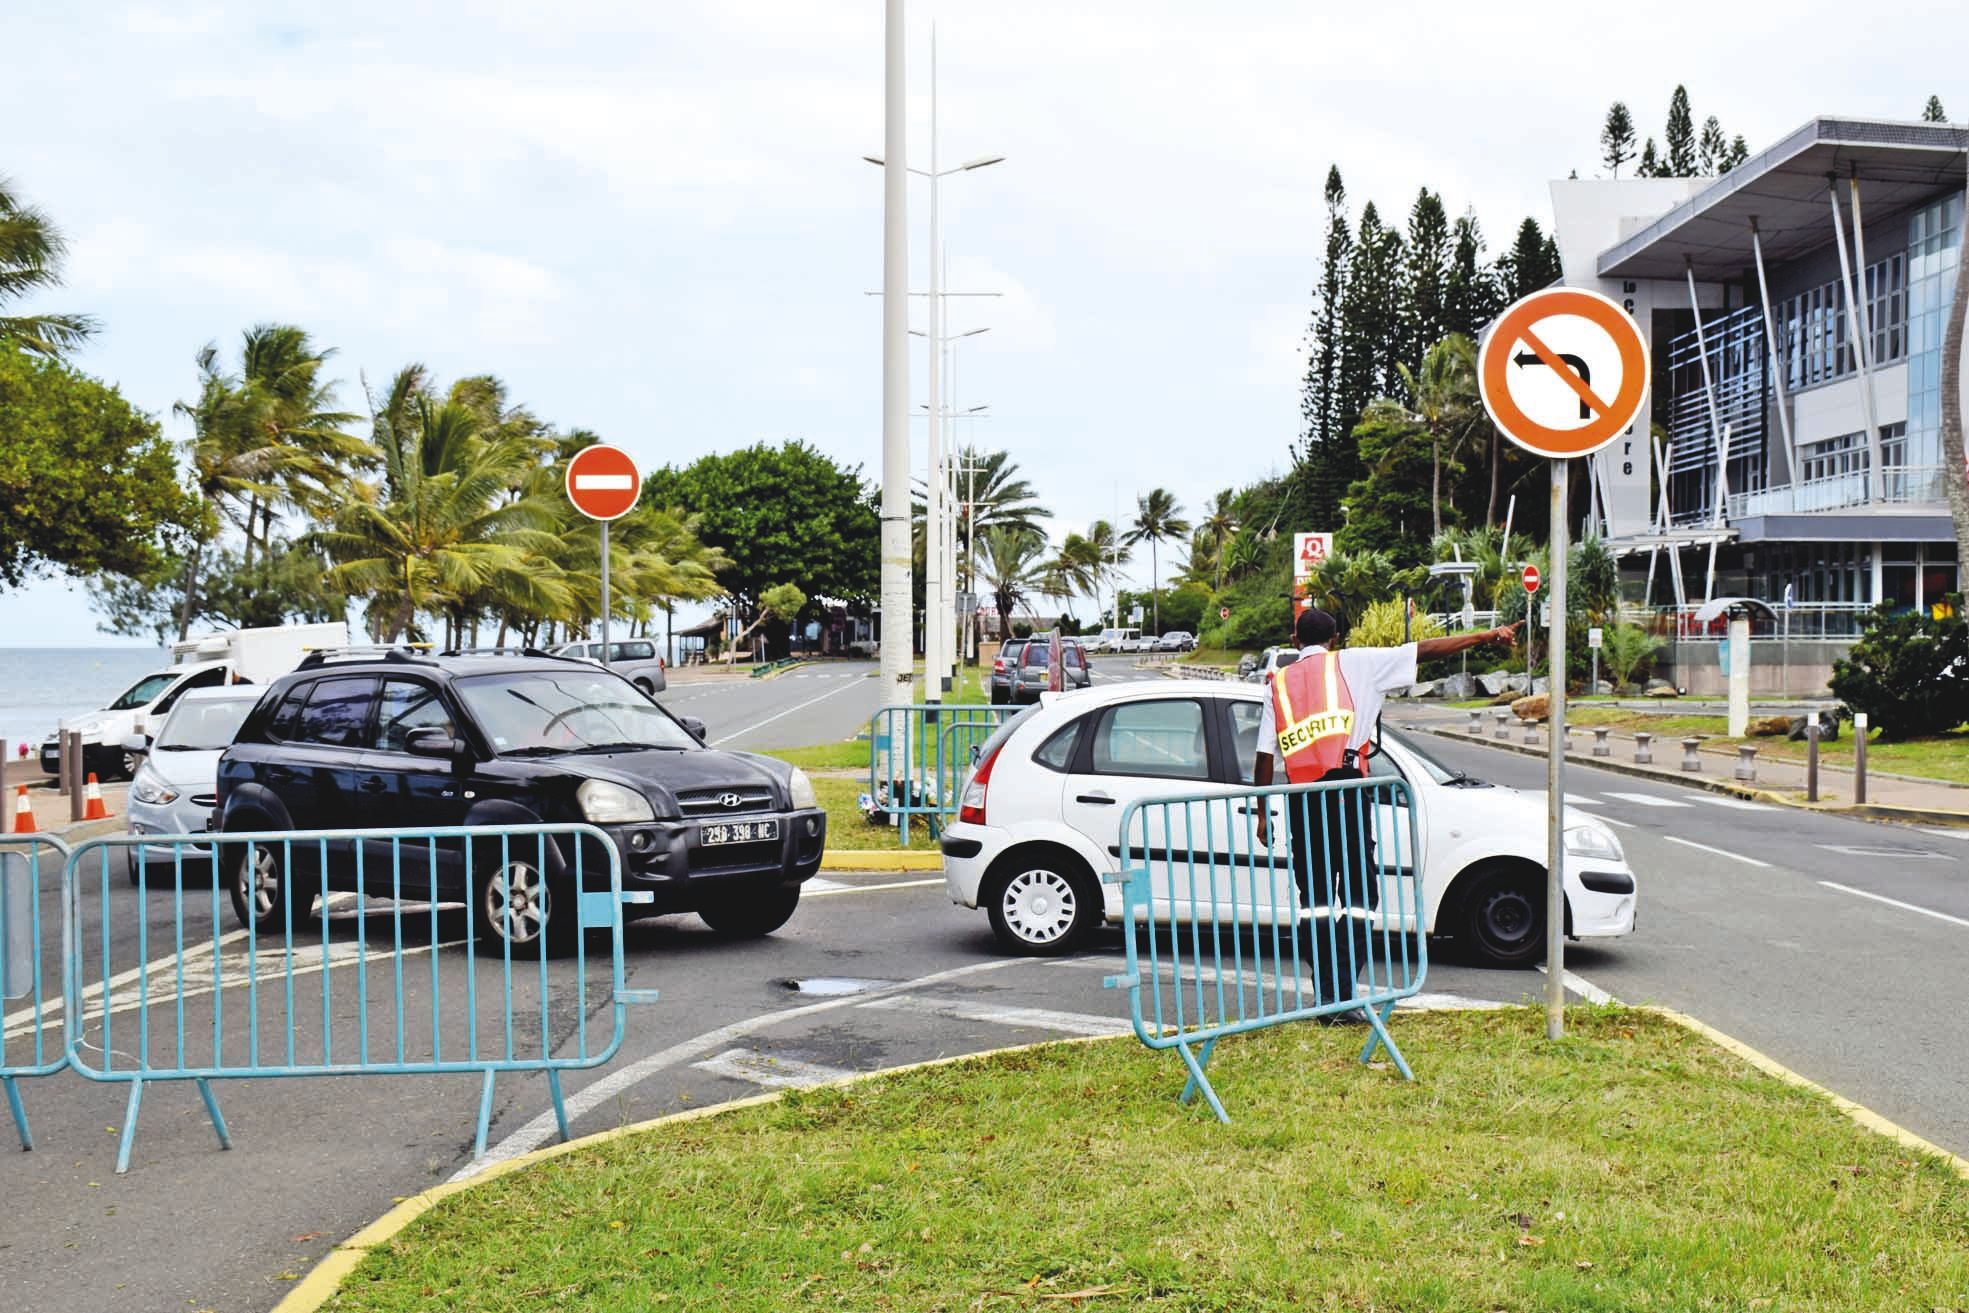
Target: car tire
pixel 1043 903
pixel 997 698
pixel 262 887
pixel 1502 921
pixel 647 689
pixel 516 903
pixel 752 914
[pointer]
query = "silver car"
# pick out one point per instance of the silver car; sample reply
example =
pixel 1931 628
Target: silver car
pixel 635 659
pixel 176 784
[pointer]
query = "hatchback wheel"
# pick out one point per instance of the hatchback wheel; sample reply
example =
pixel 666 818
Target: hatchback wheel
pixel 1504 917
pixel 266 896
pixel 1046 907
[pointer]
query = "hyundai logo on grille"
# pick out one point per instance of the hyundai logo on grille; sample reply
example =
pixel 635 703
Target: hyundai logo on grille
pixel 730 800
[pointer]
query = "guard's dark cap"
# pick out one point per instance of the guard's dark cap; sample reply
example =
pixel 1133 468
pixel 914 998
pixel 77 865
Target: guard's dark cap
pixel 1314 626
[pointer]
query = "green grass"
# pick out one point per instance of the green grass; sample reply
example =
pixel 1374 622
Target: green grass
pixel 1224 657
pixel 848 829
pixel 1632 1166
pixel 1940 757
pixel 848 754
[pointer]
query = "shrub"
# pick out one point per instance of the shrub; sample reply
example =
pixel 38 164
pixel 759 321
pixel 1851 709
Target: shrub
pixel 1909 672
pixel 1380 625
pixel 1626 650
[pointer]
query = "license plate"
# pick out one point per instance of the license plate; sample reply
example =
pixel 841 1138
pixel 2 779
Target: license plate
pixel 738 832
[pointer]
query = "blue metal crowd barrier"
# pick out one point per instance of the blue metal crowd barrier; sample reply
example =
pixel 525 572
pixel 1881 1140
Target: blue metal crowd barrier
pixel 31 1039
pixel 920 755
pixel 1255 907
pixel 220 1003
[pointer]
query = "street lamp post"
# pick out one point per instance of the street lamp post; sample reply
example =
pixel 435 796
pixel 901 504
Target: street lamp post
pixel 897 647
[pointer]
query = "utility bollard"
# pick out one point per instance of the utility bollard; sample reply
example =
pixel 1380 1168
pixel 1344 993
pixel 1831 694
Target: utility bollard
pixel 1477 721
pixel 1746 762
pixel 72 751
pixel 1531 730
pixel 1812 759
pixel 1503 730
pixel 1600 745
pixel 1566 747
pixel 1643 753
pixel 1690 761
pixel 1859 757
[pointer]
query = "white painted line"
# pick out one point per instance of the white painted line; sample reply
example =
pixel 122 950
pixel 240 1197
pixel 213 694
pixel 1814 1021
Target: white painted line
pixel 1736 804
pixel 1447 1003
pixel 1946 834
pixel 837 888
pixel 1582 800
pixel 1068 1023
pixel 758 1068
pixel 1720 852
pixel 1583 987
pixel 779 715
pixel 1615 820
pixel 1863 850
pixel 1646 799
pixel 603 482
pixel 1895 902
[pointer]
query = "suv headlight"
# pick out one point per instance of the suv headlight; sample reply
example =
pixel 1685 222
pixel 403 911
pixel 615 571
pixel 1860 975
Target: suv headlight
pixel 802 789
pixel 1593 841
pixel 606 803
pixel 148 788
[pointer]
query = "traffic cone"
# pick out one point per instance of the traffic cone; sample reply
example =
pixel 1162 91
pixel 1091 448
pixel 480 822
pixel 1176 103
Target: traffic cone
pixel 23 813
pixel 92 801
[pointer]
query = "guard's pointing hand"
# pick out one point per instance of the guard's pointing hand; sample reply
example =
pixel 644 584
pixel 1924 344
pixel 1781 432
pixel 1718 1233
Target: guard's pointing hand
pixel 1509 633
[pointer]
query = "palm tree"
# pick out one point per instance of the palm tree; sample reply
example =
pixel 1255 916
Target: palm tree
pixel 1443 397
pixel 1111 550
pixel 1218 526
pixel 992 494
pixel 31 251
pixel 1008 559
pixel 1158 518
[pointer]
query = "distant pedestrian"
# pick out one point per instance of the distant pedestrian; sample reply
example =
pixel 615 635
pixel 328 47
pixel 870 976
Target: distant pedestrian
pixel 1321 715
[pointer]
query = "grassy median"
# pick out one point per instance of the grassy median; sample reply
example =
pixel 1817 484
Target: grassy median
pixel 1633 1166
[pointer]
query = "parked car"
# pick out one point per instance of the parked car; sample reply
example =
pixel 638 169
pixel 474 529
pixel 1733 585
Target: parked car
pixel 635 659
pixel 1247 665
pixel 1124 639
pixel 1176 640
pixel 1270 662
pixel 1005 671
pixel 411 743
pixel 176 786
pixel 1037 838
pixel 1032 668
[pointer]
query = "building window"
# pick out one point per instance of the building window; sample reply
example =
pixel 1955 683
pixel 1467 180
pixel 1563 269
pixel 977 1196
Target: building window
pixel 1814 326
pixel 1847 454
pixel 1934 250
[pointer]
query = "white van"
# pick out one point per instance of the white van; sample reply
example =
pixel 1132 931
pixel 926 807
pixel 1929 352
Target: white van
pixel 238 656
pixel 1116 640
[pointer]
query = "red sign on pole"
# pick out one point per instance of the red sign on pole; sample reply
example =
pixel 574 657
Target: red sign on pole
pixel 603 482
pixel 1223 613
pixel 1531 578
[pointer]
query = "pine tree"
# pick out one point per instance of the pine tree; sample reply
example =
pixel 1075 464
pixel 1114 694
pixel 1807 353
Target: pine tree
pixel 1650 165
pixel 1426 277
pixel 1712 149
pixel 1932 112
pixel 1531 263
pixel 1679 137
pixel 1326 450
pixel 1739 152
pixel 1471 296
pixel 1617 138
pixel 1362 339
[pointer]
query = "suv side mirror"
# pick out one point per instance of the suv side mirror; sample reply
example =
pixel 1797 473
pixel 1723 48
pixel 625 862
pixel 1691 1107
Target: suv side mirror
pixel 692 726
pixel 430 741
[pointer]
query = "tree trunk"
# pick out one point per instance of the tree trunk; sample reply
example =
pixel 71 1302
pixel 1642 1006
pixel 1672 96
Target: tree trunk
pixel 1435 487
pixel 1496 459
pixel 1954 473
pixel 191 591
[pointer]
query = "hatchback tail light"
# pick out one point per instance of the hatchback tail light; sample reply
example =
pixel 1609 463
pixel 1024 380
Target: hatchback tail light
pixel 971 806
pixel 998 665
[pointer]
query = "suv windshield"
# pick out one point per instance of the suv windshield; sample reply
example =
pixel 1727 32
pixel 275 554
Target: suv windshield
pixel 543 711
pixel 144 691
pixel 205 725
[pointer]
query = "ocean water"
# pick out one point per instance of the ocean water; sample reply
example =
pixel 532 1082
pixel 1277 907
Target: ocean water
pixel 41 685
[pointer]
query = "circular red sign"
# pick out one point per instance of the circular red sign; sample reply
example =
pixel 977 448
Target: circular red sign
pixel 603 482
pixel 1223 613
pixel 1531 579
pixel 1515 342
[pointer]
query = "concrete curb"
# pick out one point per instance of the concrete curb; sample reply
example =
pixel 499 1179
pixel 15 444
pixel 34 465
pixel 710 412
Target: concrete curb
pixel 879 859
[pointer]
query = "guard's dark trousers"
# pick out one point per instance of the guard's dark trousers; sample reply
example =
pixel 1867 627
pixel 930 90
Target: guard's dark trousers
pixel 1333 864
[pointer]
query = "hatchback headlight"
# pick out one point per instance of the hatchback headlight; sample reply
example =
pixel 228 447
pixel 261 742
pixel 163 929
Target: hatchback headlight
pixel 606 803
pixel 802 789
pixel 148 788
pixel 1593 841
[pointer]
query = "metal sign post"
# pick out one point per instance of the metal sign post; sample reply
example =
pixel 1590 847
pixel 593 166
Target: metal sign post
pixel 1562 374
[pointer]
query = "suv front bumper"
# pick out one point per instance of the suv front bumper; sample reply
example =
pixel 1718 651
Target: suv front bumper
pixel 669 860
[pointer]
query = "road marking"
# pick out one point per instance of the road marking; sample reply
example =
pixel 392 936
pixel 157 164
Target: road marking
pixel 1646 799
pixel 1068 1023
pixel 1737 804
pixel 1720 852
pixel 1895 902
pixel 780 715
pixel 1946 834
pixel 1861 850
pixel 1583 987
pixel 1583 800
pixel 1615 820
pixel 758 1068
pixel 838 887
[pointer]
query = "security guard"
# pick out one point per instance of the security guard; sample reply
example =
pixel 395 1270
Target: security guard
pixel 1321 716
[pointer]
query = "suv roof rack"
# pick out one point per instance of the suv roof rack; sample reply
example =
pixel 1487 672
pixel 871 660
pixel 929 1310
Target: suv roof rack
pixel 509 651
pixel 406 653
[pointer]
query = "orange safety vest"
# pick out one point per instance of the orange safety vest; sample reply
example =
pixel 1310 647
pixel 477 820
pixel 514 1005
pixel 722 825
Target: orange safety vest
pixel 1314 712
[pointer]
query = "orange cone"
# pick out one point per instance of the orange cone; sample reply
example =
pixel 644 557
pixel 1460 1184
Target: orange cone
pixel 92 801
pixel 23 813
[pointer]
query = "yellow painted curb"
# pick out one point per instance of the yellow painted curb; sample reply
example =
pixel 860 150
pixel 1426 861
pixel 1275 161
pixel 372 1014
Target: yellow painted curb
pixel 324 1279
pixel 881 859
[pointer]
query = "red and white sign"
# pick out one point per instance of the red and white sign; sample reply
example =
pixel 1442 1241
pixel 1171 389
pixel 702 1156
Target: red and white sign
pixel 1564 372
pixel 1531 578
pixel 603 482
pixel 1308 551
pixel 1223 613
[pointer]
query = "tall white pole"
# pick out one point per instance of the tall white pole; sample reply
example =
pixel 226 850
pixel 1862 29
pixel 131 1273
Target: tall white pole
pixel 897 629
pixel 1555 770
pixel 933 603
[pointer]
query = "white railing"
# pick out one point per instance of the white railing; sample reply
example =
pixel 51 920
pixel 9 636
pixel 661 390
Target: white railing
pixel 1901 485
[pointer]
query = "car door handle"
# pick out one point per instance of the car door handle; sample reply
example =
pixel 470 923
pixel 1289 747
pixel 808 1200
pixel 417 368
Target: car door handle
pixel 281 774
pixel 1098 799
pixel 372 784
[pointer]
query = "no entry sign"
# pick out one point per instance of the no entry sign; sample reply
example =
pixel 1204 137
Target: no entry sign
pixel 1530 576
pixel 1564 372
pixel 603 482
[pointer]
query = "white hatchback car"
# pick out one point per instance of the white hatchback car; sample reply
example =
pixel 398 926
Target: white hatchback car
pixel 1037 842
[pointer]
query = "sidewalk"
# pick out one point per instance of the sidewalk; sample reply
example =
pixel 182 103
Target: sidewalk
pixel 1887 797
pixel 51 808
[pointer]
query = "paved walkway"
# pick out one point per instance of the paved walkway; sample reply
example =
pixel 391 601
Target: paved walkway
pixel 1781 781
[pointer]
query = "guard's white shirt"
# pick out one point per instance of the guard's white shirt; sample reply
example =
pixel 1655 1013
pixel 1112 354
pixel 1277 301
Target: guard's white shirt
pixel 1371 674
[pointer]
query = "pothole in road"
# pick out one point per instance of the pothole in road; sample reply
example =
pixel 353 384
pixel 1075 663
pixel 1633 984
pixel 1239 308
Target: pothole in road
pixel 834 986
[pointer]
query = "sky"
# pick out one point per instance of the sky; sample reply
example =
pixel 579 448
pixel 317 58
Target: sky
pixel 653 219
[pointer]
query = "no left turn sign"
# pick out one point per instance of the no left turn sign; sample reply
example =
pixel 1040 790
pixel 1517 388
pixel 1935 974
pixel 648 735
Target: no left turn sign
pixel 1563 372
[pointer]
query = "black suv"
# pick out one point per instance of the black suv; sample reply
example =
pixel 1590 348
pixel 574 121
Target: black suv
pixel 406 742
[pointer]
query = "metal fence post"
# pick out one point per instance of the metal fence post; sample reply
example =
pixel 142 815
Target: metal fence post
pixel 1812 759
pixel 1859 756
